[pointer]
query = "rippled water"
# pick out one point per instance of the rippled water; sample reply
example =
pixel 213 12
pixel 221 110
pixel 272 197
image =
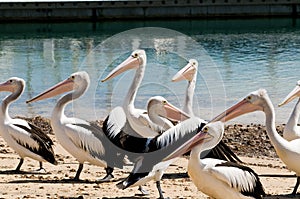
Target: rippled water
pixel 235 57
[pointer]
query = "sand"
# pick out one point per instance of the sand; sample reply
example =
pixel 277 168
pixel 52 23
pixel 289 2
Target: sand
pixel 277 180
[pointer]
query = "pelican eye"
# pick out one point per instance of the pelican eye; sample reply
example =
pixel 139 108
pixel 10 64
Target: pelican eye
pixel 194 63
pixel 164 102
pixel 205 129
pixel 72 77
pixel 135 55
pixel 249 98
pixel 11 81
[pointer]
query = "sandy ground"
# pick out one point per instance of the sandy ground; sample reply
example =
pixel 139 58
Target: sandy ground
pixel 277 180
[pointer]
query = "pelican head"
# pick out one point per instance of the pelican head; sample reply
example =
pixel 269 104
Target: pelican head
pixel 13 84
pixel 210 135
pixel 77 82
pixel 135 60
pixel 163 108
pixel 292 95
pixel 188 72
pixel 255 101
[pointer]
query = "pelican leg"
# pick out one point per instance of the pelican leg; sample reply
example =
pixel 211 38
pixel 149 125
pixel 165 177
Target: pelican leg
pixel 161 196
pixel 296 186
pixel 20 164
pixel 76 178
pixel 41 169
pixel 108 176
pixel 143 191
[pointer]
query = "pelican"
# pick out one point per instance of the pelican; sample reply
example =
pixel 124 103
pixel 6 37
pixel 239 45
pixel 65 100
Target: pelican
pixel 149 165
pixel 218 178
pixel 138 120
pixel 24 138
pixel 122 135
pixel 189 73
pixel 292 130
pixel 83 140
pixel 288 151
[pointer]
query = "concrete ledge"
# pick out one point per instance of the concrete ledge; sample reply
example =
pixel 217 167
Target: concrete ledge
pixel 96 10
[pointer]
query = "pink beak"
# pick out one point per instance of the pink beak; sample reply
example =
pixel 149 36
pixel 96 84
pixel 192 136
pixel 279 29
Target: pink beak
pixel 62 87
pixel 130 63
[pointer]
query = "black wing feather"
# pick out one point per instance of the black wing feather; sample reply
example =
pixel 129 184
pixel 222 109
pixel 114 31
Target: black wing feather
pixel 44 141
pixel 258 190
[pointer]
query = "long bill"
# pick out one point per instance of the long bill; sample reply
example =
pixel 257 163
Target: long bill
pixel 62 87
pixel 184 73
pixel 130 63
pixel 240 108
pixel 174 113
pixel 292 95
pixel 188 145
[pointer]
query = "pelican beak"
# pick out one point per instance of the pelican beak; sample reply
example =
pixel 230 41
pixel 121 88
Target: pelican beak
pixel 130 63
pixel 242 107
pixel 5 86
pixel 292 95
pixel 174 113
pixel 186 72
pixel 188 145
pixel 62 87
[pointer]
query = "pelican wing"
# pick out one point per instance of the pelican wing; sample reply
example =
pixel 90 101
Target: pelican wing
pixel 114 122
pixel 87 137
pixel 239 177
pixel 33 139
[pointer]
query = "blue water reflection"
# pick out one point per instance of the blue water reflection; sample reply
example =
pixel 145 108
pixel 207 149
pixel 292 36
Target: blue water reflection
pixel 248 54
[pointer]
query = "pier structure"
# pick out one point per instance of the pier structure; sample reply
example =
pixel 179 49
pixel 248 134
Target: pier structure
pixel 45 10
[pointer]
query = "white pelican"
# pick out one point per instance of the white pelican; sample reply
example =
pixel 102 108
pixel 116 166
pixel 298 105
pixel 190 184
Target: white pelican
pixel 218 178
pixel 83 140
pixel 189 73
pixel 288 151
pixel 149 165
pixel 292 130
pixel 24 138
pixel 124 137
pixel 138 120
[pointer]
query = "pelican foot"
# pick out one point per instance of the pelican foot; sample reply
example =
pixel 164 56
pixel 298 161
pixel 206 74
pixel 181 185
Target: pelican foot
pixel 107 178
pixel 143 191
pixel 41 170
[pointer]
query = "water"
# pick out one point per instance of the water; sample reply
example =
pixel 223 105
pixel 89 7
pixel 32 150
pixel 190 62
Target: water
pixel 235 57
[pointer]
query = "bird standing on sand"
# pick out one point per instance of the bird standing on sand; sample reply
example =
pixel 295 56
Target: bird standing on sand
pixel 288 151
pixel 218 178
pixel 83 140
pixel 24 138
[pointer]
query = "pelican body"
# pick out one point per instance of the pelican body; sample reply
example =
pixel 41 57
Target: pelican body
pixel 83 140
pixel 288 151
pixel 189 73
pixel 24 138
pixel 122 135
pixel 218 178
pixel 292 130
pixel 138 120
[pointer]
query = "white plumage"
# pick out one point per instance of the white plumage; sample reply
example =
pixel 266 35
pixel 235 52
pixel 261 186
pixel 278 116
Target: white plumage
pixel 26 139
pixel 292 130
pixel 288 151
pixel 83 140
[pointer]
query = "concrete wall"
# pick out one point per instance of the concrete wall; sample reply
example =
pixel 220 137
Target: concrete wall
pixel 97 10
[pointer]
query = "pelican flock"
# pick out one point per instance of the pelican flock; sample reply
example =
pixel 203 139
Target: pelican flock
pixel 152 138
